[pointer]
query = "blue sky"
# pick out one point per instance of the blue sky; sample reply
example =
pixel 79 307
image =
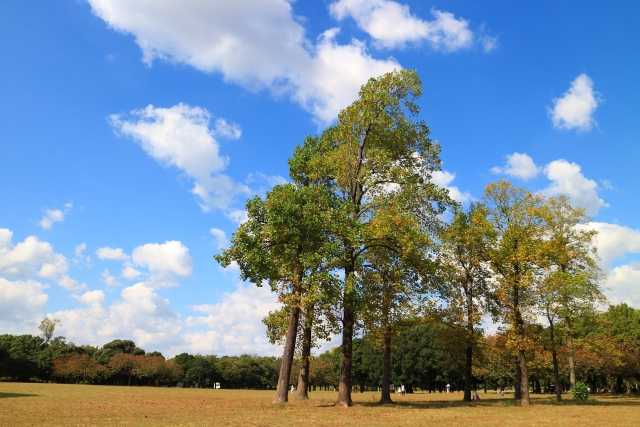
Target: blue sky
pixel 132 132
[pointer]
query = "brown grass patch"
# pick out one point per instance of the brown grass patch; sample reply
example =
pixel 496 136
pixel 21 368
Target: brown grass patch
pixel 84 405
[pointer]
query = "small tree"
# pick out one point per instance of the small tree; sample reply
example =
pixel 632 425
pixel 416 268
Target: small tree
pixel 48 326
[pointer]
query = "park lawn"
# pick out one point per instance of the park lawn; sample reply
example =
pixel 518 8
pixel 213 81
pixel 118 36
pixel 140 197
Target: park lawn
pixel 30 404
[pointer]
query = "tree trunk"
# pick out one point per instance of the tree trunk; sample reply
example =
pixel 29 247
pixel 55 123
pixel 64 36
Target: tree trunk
pixel 386 365
pixel 522 358
pixel 467 373
pixel 344 388
pixel 469 344
pixel 556 374
pixel 303 379
pixel 282 392
pixel 572 362
pixel 517 393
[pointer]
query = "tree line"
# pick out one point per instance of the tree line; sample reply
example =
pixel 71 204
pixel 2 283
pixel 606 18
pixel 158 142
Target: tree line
pixel 362 239
pixel 425 357
pixel 121 362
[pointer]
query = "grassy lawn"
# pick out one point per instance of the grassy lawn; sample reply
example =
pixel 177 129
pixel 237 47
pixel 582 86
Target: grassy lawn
pixel 83 405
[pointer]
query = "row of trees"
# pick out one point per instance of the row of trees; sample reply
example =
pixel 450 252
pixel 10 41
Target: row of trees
pixel 121 362
pixel 427 355
pixel 358 241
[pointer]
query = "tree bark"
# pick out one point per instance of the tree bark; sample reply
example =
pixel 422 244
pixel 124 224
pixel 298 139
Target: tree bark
pixel 469 343
pixel 572 361
pixel 282 392
pixel 467 373
pixel 303 379
pixel 554 356
pixel 344 388
pixel 386 365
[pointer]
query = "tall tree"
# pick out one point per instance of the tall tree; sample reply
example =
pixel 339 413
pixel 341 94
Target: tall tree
pixel 464 287
pixel 375 150
pixel 282 243
pixel 513 250
pixel 572 281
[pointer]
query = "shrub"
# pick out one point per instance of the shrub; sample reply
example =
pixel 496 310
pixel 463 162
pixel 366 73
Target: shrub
pixel 580 391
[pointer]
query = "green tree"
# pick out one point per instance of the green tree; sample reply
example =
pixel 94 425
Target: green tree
pixel 570 287
pixel 282 243
pixel 48 326
pixel 513 250
pixel 464 286
pixel 376 157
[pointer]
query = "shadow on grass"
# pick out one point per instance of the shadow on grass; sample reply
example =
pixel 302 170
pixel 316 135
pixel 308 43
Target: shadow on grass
pixel 8 395
pixel 551 401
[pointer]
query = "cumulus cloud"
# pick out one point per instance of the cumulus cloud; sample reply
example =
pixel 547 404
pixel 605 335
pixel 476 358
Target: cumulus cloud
pixel 180 136
pixel 444 179
pixel 116 254
pixel 568 179
pixel 109 280
pixel 519 165
pixel 623 284
pixel 21 301
pixel 614 241
pixel 54 215
pixel 239 216
pixel 227 129
pixel 392 25
pixel 129 272
pixel 220 238
pixel 140 314
pixel 33 257
pixel 234 325
pixel 165 262
pixel 574 110
pixel 255 43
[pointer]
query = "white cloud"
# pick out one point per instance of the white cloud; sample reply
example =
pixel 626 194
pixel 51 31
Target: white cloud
pixel 444 179
pixel 235 324
pixel 79 249
pixel 130 273
pixel 116 254
pixel 180 136
pixel 79 253
pixel 255 43
pixel 614 241
pixel 270 180
pixel 54 215
pixel 519 165
pixel 220 238
pixel 624 285
pixel 164 261
pixel 227 129
pixel 576 107
pixel 33 257
pixel 488 43
pixel 568 179
pixel 109 280
pixel 391 25
pixel 21 301
pixel 239 216
pixel 70 284
pixel 140 314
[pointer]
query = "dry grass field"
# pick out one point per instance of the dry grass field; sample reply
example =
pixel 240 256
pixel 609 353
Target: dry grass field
pixel 83 405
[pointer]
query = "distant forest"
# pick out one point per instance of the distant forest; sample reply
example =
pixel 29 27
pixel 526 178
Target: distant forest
pixel 426 356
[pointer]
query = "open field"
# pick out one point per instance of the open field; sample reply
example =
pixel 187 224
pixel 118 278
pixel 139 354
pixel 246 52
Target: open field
pixel 84 405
